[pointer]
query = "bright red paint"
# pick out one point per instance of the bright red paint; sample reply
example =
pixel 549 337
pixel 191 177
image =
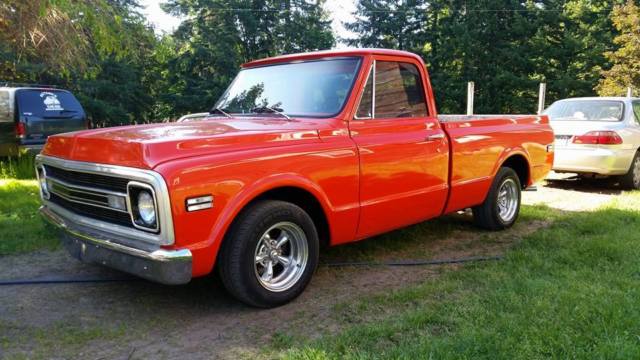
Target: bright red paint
pixel 370 176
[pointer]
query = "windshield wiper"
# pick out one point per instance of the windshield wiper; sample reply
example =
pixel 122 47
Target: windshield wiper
pixel 217 110
pixel 268 109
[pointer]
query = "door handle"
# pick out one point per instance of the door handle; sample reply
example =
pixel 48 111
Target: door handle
pixel 435 137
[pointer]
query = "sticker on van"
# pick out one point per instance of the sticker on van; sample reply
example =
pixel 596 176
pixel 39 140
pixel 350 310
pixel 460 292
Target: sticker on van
pixel 51 101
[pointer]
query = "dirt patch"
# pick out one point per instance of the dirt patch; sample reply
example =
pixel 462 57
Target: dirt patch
pixel 139 319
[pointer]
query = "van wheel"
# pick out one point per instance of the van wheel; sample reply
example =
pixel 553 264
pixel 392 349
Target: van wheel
pixel 631 180
pixel 270 254
pixel 501 208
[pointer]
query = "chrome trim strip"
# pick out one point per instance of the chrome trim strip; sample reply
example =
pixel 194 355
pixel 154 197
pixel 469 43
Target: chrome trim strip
pixel 86 189
pixel 152 178
pixel 80 200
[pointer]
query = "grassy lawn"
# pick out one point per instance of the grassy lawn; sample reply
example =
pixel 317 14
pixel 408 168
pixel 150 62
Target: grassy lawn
pixel 21 228
pixel 571 290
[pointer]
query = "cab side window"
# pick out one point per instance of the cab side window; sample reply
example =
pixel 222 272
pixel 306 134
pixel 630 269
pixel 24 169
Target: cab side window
pixel 5 107
pixel 399 92
pixel 636 111
pixel 393 90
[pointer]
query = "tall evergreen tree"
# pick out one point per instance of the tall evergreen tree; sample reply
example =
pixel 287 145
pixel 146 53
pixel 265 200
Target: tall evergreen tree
pixel 387 24
pixel 222 34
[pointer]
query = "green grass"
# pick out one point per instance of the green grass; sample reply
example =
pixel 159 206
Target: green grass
pixel 21 167
pixel 571 290
pixel 21 228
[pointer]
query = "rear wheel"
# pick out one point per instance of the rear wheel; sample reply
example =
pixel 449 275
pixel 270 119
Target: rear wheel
pixel 501 208
pixel 631 180
pixel 270 254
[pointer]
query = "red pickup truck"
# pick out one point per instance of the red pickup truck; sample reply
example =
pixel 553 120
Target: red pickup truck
pixel 301 151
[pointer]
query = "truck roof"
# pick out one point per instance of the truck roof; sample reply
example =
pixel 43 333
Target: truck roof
pixel 328 54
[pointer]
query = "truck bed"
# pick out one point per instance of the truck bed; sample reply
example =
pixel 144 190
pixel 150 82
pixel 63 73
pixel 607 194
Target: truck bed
pixel 480 143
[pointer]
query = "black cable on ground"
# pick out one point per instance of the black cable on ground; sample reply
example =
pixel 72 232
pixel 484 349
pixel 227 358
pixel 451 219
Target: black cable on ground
pixel 66 280
pixel 89 279
pixel 417 262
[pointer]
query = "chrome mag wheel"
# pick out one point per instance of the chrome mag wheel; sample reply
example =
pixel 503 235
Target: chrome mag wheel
pixel 508 200
pixel 281 256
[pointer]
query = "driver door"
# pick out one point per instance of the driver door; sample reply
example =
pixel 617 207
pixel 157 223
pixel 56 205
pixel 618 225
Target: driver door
pixel 404 155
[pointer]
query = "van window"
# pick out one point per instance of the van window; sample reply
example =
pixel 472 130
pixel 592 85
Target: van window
pixel 47 103
pixel 5 107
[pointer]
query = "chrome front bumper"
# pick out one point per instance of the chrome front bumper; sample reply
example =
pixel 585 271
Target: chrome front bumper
pixel 593 160
pixel 171 267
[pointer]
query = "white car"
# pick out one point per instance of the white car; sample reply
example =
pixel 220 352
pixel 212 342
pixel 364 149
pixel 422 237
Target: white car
pixel 598 136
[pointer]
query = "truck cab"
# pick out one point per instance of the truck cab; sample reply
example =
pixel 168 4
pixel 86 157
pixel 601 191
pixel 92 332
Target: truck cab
pixel 28 115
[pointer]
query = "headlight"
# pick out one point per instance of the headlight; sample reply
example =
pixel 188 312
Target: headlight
pixel 142 206
pixel 146 208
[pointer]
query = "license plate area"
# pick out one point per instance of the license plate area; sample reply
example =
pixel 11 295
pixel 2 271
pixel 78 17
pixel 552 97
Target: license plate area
pixel 562 140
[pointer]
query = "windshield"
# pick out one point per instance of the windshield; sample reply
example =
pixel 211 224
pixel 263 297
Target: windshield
pixel 585 110
pixel 47 103
pixel 305 89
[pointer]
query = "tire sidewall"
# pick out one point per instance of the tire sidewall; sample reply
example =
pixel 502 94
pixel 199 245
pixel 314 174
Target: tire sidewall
pixel 285 212
pixel 502 176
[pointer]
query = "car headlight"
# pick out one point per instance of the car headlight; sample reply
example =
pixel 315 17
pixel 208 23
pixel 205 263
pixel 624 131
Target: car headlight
pixel 146 208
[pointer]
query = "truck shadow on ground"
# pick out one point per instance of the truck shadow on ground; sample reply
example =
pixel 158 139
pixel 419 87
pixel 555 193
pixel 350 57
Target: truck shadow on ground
pixel 599 186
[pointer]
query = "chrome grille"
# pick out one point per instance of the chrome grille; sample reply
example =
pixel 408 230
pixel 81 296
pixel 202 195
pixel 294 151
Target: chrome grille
pixel 91 195
pixel 80 194
pixel 110 183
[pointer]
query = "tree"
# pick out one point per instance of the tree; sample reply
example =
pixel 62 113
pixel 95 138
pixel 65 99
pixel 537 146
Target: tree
pixel 220 35
pixel 387 24
pixel 626 58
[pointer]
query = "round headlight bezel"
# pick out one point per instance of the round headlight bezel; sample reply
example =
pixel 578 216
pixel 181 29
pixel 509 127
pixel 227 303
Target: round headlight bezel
pixel 135 193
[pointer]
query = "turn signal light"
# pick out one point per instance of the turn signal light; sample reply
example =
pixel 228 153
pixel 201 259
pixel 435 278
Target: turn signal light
pixel 598 138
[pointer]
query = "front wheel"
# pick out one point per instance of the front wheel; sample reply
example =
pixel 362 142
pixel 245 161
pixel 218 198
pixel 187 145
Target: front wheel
pixel 270 254
pixel 501 208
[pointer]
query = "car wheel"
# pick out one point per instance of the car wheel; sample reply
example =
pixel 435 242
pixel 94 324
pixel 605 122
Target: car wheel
pixel 631 180
pixel 501 208
pixel 270 254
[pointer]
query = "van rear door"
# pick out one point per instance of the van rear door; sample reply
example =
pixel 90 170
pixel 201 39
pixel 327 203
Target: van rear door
pixel 47 112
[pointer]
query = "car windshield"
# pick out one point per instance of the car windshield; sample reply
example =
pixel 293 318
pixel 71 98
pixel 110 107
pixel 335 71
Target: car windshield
pixel 305 89
pixel 47 103
pixel 586 110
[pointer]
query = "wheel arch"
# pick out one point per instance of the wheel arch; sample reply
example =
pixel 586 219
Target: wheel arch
pixel 519 162
pixel 299 191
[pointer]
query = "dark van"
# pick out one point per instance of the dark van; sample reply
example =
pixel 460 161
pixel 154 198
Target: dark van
pixel 28 115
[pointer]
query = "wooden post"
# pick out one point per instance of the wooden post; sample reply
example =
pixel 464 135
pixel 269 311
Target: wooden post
pixel 541 97
pixel 470 92
pixel 629 92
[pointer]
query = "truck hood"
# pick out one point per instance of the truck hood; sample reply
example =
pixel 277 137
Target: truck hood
pixel 146 146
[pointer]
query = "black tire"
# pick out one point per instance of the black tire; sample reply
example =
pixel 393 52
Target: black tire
pixel 487 215
pixel 237 257
pixel 631 180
